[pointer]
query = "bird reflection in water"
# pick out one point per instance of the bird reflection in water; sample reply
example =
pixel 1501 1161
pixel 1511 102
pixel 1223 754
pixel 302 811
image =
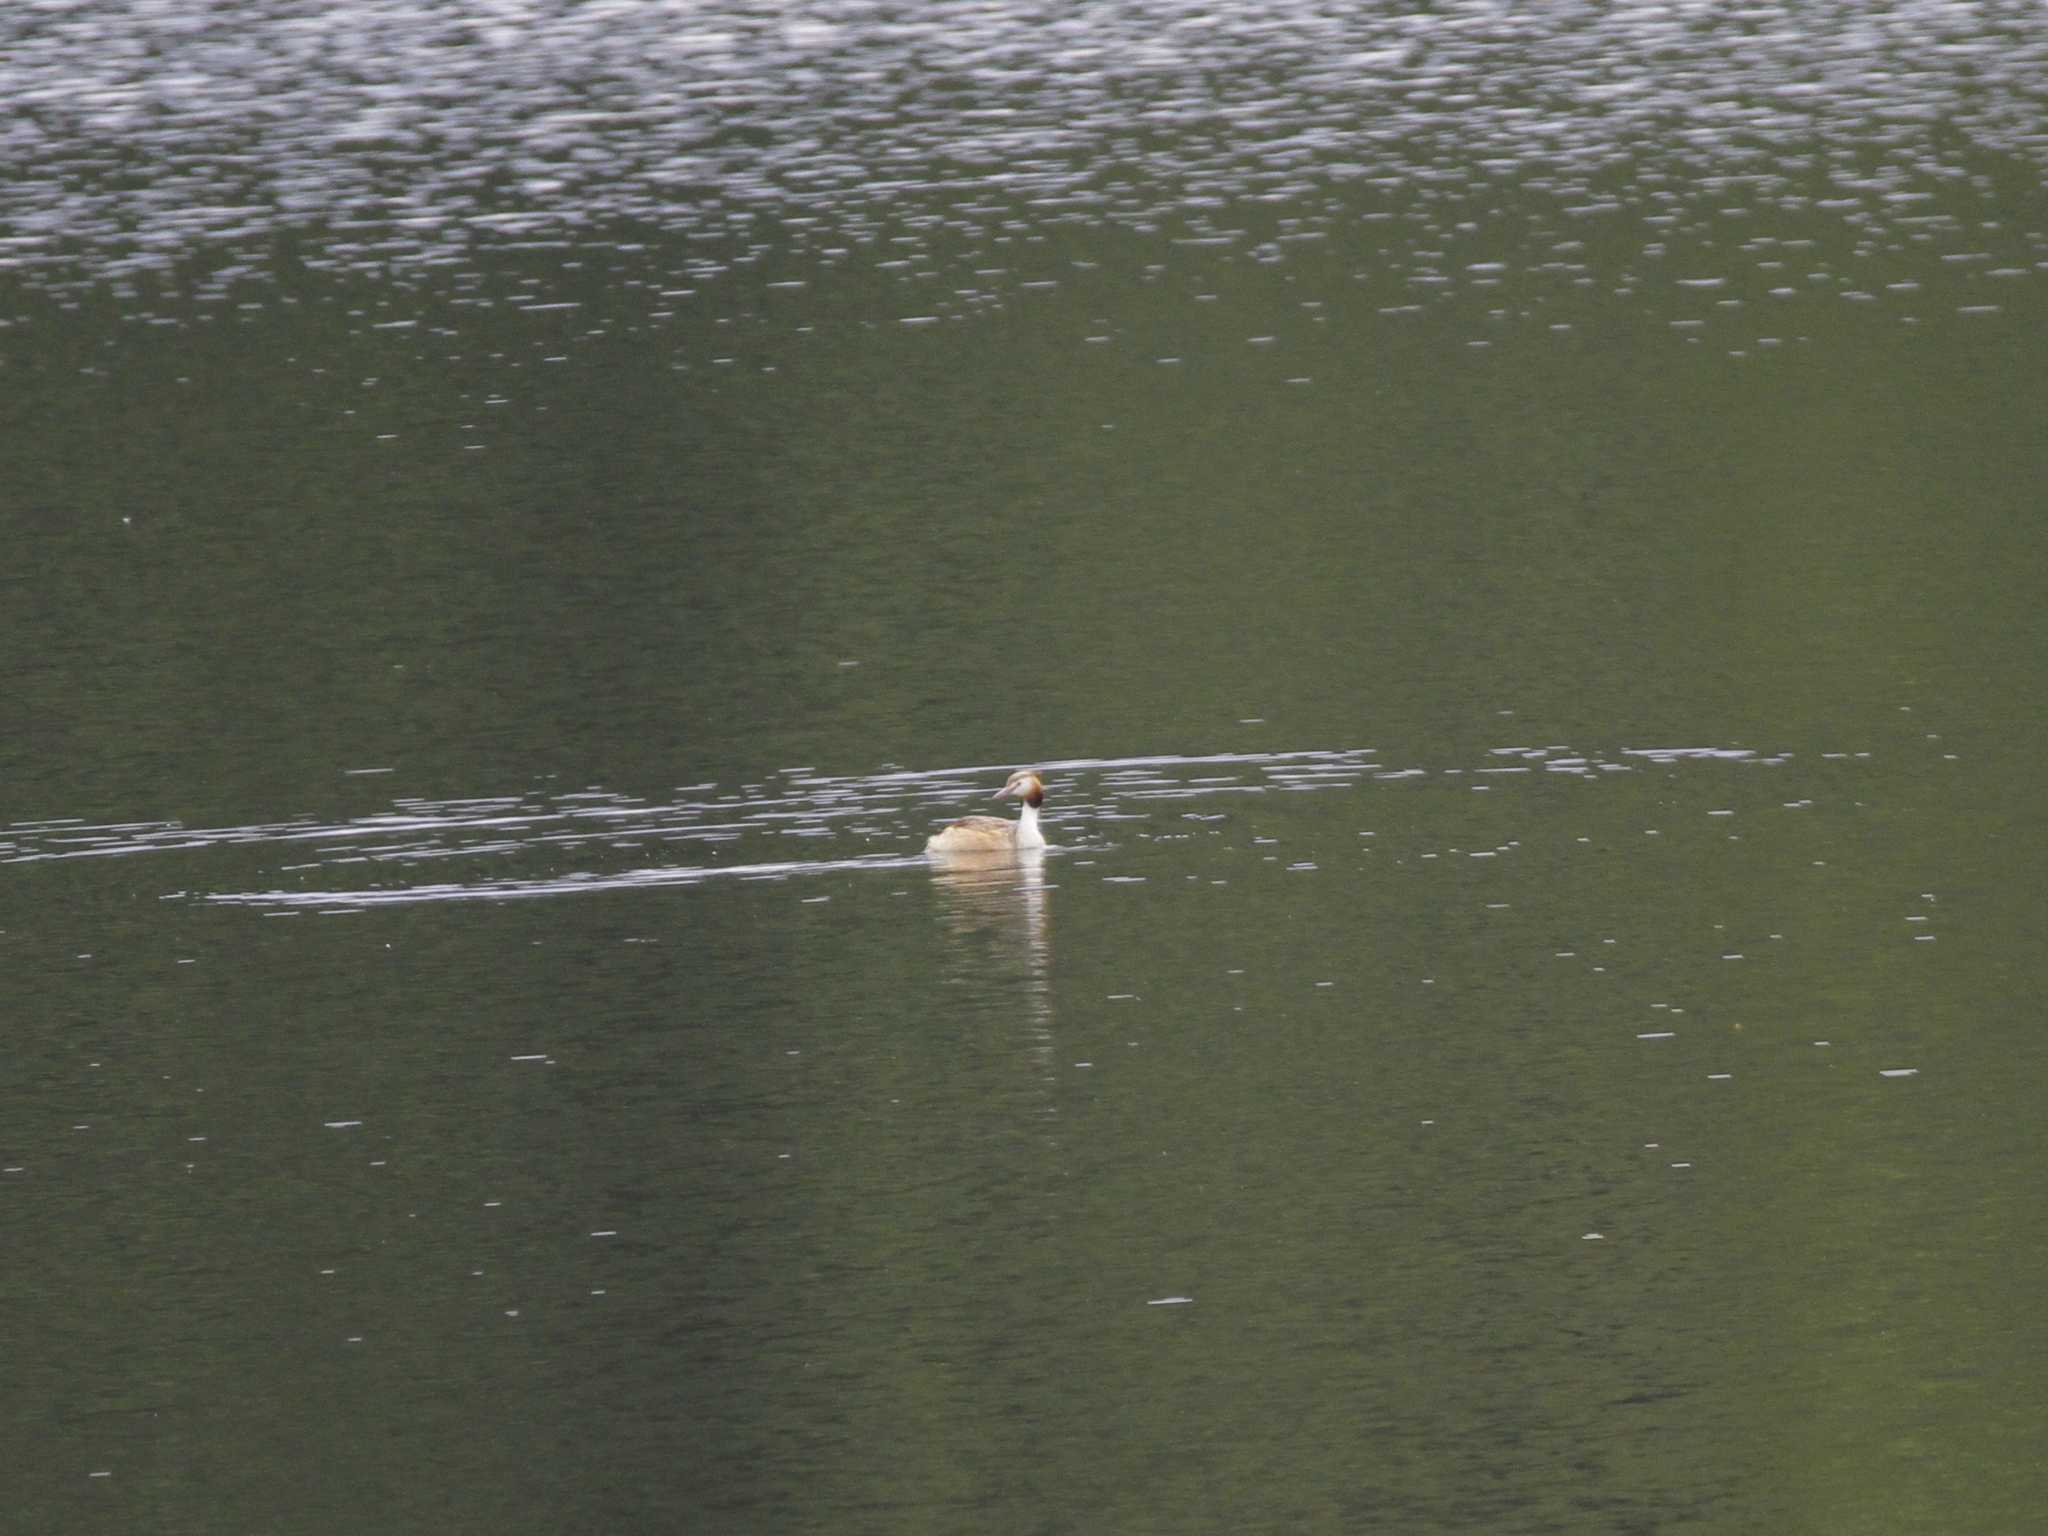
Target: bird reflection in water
pixel 1007 890
pixel 1003 898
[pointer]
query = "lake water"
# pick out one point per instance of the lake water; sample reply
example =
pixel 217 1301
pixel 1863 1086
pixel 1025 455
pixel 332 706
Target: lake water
pixel 1515 542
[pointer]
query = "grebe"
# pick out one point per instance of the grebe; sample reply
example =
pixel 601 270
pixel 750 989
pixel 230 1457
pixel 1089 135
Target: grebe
pixel 992 834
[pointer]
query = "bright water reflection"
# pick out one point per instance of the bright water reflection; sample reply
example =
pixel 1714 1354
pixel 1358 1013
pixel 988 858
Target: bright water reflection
pixel 1783 156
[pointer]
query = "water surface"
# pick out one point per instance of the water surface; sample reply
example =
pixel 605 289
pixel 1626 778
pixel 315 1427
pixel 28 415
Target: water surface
pixel 1512 539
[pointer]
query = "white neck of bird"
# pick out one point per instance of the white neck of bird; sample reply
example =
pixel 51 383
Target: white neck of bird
pixel 1028 835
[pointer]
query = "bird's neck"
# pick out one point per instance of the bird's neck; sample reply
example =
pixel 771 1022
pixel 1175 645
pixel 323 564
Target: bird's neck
pixel 1028 835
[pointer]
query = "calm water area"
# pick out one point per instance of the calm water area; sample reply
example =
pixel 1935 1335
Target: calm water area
pixel 1514 537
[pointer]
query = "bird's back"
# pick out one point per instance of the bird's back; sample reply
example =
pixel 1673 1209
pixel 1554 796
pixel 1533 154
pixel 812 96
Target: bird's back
pixel 971 833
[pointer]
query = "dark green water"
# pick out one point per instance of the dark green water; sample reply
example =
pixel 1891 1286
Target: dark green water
pixel 1517 549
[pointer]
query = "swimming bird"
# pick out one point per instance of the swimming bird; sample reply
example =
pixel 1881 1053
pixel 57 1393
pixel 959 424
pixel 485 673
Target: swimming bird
pixel 992 834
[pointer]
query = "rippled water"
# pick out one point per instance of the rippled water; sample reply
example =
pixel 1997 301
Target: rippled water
pixel 1781 156
pixel 745 832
